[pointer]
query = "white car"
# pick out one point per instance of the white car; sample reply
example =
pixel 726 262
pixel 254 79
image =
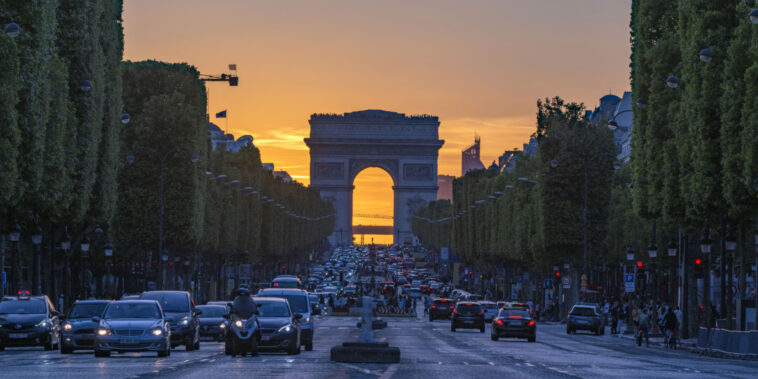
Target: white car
pixel 490 310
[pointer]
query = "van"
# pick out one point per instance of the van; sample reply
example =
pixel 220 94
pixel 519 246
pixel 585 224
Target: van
pixel 299 303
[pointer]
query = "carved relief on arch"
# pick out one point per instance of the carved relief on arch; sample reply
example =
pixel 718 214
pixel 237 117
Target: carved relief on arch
pixel 389 165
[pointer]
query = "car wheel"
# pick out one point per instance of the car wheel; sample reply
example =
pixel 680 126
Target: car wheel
pixel 568 331
pixel 294 348
pixel 309 346
pixel 164 353
pixel 533 339
pixel 102 354
pixel 493 337
pixel 233 348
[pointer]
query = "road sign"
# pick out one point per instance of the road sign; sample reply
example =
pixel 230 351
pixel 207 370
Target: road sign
pixel 628 282
pixel 548 283
pixel 444 253
pixel 566 282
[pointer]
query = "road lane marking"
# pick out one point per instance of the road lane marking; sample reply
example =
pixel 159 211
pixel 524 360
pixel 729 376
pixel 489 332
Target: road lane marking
pixel 388 374
pixel 490 363
pixel 529 364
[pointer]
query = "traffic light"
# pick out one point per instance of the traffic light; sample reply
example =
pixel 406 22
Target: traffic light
pixel 557 274
pixel 699 268
pixel 640 265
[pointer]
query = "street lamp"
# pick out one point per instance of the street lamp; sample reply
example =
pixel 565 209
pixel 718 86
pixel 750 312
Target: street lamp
pixel 629 253
pixel 85 85
pixel 12 29
pixel 672 81
pixel 84 246
pixel 14 236
pixel 754 16
pixel 652 250
pixel 66 247
pixel 672 249
pixel 705 244
pixel 125 118
pixel 37 241
pixel 108 249
pixel 706 55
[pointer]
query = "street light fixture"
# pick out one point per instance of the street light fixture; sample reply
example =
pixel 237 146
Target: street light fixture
pixel 108 249
pixel 754 16
pixel 37 236
pixel 705 245
pixel 730 243
pixel 629 253
pixel 85 245
pixel 12 29
pixel 15 233
pixel 37 274
pixel 672 81
pixel 66 242
pixel 85 85
pixel 125 118
pixel 672 249
pixel 706 55
pixel 652 250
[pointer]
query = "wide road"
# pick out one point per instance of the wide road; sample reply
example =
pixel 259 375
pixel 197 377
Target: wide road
pixel 428 350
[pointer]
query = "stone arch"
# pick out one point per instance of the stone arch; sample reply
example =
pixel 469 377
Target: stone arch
pixel 406 147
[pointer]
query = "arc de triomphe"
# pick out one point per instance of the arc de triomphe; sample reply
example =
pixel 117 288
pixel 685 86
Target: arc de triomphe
pixel 406 147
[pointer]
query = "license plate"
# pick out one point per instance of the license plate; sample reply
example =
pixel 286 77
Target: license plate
pixel 265 338
pixel 581 322
pixel 17 335
pixel 128 341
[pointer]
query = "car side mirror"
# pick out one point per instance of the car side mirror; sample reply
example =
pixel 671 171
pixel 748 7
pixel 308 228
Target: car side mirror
pixel 229 305
pixel 95 319
pixel 198 312
pixel 298 316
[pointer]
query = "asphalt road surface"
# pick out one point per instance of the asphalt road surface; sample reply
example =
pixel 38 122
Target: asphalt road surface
pixel 428 350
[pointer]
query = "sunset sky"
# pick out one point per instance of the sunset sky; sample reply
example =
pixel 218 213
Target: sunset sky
pixel 478 65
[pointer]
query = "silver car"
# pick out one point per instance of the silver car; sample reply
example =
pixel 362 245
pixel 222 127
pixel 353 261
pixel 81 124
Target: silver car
pixel 132 325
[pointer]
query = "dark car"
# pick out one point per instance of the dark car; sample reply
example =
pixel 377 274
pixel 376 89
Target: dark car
pixel 441 308
pixel 299 303
pixel 132 325
pixel 212 322
pixel 585 317
pixel 467 316
pixel 280 327
pixel 514 323
pixel 286 281
pixel 29 321
pixel 181 313
pixel 78 331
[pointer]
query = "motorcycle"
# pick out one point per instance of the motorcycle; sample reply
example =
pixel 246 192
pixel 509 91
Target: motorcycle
pixel 242 336
pixel 640 332
pixel 671 340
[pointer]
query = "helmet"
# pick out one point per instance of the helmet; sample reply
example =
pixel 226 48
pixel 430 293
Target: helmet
pixel 243 290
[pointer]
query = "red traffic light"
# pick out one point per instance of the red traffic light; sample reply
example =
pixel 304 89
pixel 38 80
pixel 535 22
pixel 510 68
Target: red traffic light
pixel 557 274
pixel 639 264
pixel 698 261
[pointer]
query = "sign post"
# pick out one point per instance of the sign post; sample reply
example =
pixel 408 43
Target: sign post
pixel 628 283
pixel 566 282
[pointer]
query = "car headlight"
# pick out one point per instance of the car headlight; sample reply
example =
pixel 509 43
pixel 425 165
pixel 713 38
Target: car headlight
pixel 307 319
pixel 103 332
pixel 222 325
pixel 67 327
pixel 184 321
pixel 285 329
pixel 239 323
pixel 157 332
pixel 41 324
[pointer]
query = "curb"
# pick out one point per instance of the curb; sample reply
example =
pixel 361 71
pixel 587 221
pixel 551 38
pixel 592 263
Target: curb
pixel 715 353
pixel 691 347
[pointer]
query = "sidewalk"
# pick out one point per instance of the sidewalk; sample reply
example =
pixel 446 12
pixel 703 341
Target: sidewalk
pixel 689 344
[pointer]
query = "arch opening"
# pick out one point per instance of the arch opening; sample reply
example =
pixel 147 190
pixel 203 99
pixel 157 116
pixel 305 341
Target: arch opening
pixel 373 207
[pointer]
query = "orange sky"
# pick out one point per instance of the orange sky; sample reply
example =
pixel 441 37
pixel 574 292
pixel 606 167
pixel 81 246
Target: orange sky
pixel 478 65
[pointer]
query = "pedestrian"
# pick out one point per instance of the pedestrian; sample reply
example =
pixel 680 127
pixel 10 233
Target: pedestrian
pixel 644 325
pixel 615 318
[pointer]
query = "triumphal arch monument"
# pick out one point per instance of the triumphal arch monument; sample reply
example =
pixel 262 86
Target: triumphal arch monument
pixel 406 147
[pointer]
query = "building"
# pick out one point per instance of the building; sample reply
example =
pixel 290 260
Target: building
pixel 507 161
pixel 283 175
pixel 268 166
pixel 219 139
pixel 617 114
pixel 470 159
pixel 445 184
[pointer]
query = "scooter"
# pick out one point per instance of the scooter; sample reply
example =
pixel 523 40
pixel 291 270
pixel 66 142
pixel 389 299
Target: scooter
pixel 242 336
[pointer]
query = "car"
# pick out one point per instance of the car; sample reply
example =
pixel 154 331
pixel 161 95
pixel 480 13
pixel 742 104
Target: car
pixel 511 322
pixel 490 310
pixel 300 304
pixel 29 321
pixel 78 330
pixel 179 309
pixel 132 325
pixel 467 315
pixel 280 327
pixel 585 317
pixel 212 322
pixel 441 308
pixel 226 304
pixel 286 281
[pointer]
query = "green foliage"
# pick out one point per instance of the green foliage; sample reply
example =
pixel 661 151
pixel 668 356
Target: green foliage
pixel 9 133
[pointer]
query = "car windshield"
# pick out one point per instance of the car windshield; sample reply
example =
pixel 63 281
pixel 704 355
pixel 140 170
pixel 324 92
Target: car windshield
pixel 120 310
pixel 298 303
pixel 170 302
pixel 582 311
pixel 514 314
pixel 212 312
pixel 469 308
pixel 87 310
pixel 22 307
pixel 272 309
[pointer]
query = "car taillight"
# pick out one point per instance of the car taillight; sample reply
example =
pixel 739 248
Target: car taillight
pixel 434 307
pixel 456 312
pixel 499 322
pixel 481 313
pixel 451 307
pixel 531 323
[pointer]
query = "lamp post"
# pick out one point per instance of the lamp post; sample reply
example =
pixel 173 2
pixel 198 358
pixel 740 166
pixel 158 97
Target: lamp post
pixel 66 247
pixel 164 262
pixel 730 243
pixel 705 248
pixel 15 236
pixel 37 278
pixel 84 246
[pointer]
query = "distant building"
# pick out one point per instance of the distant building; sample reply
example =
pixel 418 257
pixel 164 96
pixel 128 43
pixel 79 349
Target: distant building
pixel 445 184
pixel 219 139
pixel 507 161
pixel 268 166
pixel 470 159
pixel 618 114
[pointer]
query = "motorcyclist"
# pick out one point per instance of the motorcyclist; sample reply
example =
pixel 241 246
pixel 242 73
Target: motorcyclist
pixel 670 322
pixel 243 306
